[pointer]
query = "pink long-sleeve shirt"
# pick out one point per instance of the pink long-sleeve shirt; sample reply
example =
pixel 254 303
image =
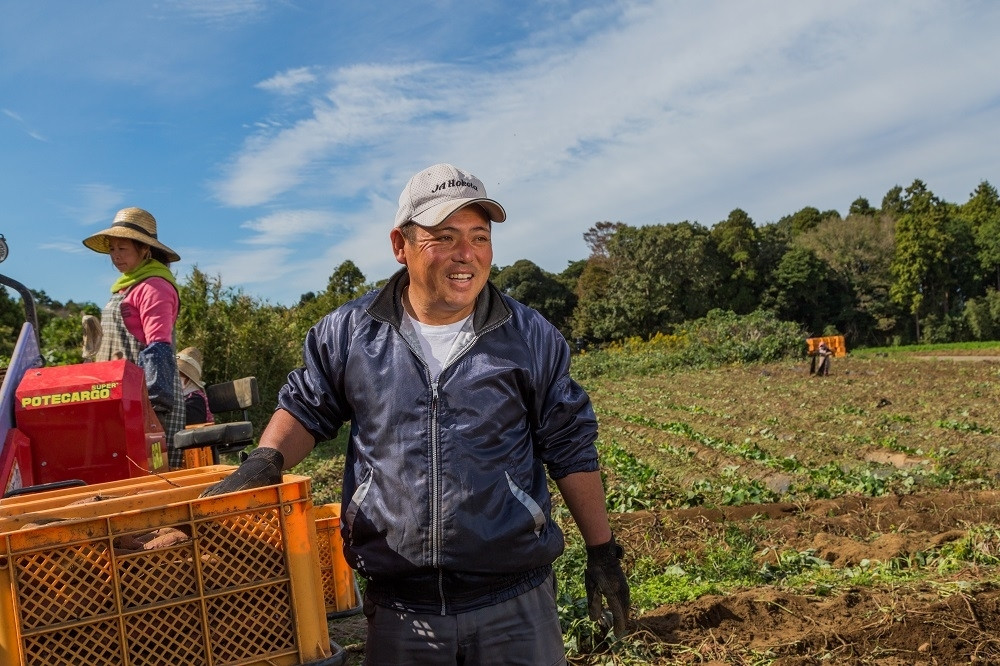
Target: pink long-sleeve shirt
pixel 149 310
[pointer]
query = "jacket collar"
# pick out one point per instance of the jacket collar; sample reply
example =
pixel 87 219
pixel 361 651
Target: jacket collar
pixel 490 312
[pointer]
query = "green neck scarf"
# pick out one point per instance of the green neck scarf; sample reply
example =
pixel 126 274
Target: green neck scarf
pixel 144 271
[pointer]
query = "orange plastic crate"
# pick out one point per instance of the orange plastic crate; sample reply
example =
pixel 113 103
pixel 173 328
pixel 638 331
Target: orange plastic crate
pixel 834 342
pixel 240 587
pixel 340 589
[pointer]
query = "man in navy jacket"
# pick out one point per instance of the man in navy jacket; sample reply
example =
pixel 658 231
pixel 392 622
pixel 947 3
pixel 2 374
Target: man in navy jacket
pixel 461 406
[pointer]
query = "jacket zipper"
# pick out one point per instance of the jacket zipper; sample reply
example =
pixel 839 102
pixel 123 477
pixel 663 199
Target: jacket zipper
pixel 436 479
pixel 435 491
pixel 435 471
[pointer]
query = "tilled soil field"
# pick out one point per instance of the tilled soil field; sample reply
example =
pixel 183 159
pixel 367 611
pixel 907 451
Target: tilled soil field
pixel 950 619
pixel 886 460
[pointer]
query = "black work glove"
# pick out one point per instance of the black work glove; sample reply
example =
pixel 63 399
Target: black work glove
pixel 261 468
pixel 604 577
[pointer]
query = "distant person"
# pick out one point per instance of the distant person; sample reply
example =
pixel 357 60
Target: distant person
pixel 461 407
pixel 92 334
pixel 196 409
pixel 823 354
pixel 138 322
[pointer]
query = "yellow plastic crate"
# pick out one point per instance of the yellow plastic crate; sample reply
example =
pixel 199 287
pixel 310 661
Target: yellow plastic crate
pixel 340 589
pixel 239 584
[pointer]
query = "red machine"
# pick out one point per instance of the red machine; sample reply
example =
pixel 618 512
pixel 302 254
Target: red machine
pixel 91 421
pixel 75 424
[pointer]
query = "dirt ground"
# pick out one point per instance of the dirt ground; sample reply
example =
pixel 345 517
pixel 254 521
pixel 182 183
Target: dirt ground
pixel 930 413
pixel 349 633
pixel 949 620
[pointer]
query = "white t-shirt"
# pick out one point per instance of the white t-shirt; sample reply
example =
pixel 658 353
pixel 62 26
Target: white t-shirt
pixel 438 343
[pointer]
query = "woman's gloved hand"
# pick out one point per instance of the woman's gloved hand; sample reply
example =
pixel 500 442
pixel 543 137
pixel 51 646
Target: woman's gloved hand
pixel 159 366
pixel 604 577
pixel 261 468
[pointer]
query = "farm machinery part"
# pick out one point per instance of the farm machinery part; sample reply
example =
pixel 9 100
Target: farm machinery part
pixel 87 432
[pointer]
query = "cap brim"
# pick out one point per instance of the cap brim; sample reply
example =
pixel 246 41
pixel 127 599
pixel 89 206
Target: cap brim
pixel 435 215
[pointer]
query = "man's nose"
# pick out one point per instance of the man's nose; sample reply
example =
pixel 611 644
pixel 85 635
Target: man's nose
pixel 463 250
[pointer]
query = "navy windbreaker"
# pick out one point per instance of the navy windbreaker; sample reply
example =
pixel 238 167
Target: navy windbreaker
pixel 446 504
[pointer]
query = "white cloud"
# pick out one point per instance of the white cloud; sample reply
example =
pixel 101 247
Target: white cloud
pixel 365 103
pixel 95 203
pixel 219 11
pixel 287 226
pixel 267 266
pixel 34 134
pixel 68 247
pixel 670 112
pixel 288 82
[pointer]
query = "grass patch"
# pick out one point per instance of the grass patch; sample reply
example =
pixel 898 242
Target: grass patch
pixel 989 345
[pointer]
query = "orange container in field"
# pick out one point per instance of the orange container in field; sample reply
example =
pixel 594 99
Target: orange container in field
pixel 834 342
pixel 144 571
pixel 340 588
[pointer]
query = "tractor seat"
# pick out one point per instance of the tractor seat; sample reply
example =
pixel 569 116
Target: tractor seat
pixel 239 394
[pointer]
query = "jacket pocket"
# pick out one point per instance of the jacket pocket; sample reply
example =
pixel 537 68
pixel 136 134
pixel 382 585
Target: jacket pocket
pixel 358 498
pixel 529 503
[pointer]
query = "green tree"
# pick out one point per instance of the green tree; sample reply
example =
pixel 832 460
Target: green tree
pixel 593 309
pixel 62 335
pixel 661 276
pixel 571 274
pixel 591 288
pixel 598 236
pixel 892 202
pixel 982 315
pixel 805 290
pixel 805 219
pixel 526 282
pixel 982 213
pixel 346 283
pixel 859 251
pixel 60 328
pixel 239 336
pixel 861 208
pixel 773 241
pixel 737 242
pixel 930 265
pixel 11 319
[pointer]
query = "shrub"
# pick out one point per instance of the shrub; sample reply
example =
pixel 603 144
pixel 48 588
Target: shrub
pixel 719 338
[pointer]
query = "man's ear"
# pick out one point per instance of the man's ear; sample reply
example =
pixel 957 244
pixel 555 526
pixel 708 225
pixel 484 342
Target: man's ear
pixel 398 245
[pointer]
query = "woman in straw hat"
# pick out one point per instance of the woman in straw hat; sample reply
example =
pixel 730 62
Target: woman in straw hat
pixel 196 409
pixel 137 324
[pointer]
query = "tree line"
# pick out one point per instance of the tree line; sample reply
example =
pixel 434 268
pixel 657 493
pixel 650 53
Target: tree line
pixel 915 269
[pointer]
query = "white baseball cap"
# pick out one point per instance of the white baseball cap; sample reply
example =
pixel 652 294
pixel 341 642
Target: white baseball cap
pixel 438 191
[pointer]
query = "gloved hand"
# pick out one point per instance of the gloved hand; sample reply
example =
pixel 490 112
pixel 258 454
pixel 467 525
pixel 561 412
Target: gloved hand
pixel 261 468
pixel 604 577
pixel 159 366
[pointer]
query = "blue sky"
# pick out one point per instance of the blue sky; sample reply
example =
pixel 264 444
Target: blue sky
pixel 271 138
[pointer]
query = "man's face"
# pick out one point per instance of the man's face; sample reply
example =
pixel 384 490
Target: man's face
pixel 448 265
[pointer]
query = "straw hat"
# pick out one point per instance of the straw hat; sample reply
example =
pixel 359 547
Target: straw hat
pixel 189 364
pixel 134 223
